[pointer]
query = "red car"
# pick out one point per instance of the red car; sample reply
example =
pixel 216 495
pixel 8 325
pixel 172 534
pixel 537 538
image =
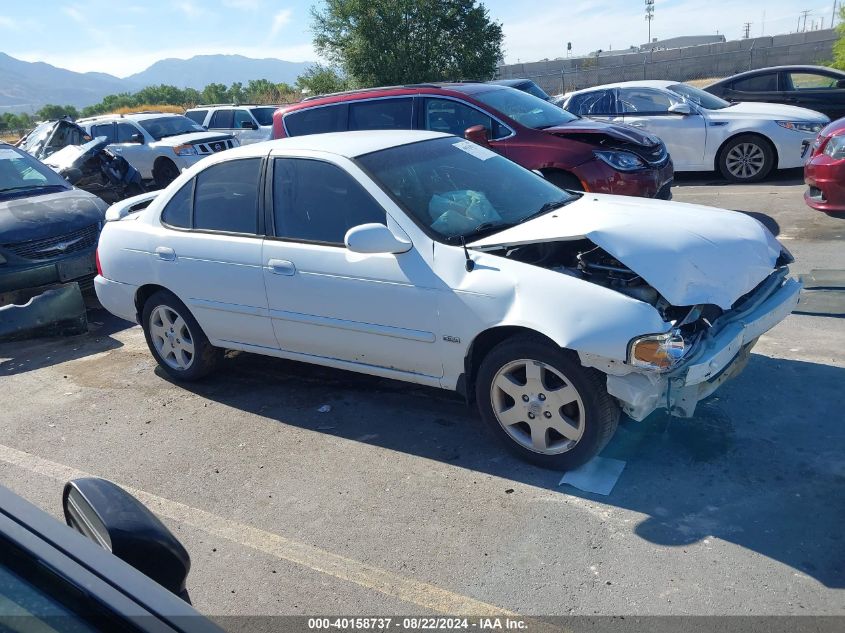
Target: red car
pixel 824 171
pixel 571 152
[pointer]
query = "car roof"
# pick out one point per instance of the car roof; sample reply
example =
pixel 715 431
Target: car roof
pixel 456 88
pixel 508 82
pixel 132 116
pixel 223 106
pixel 793 68
pixel 647 83
pixel 348 144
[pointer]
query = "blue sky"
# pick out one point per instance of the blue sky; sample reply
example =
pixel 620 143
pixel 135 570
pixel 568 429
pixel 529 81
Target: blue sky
pixel 125 36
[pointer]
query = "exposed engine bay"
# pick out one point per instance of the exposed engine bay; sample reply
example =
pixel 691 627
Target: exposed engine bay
pixel 584 260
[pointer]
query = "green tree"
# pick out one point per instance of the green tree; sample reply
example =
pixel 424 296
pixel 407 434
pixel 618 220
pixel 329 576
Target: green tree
pixel 319 80
pixel 215 93
pixel 839 46
pixel 51 111
pixel 383 42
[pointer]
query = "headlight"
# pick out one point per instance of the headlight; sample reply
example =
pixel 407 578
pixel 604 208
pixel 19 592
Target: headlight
pixel 835 147
pixel 185 150
pixel 658 351
pixel 623 161
pixel 802 126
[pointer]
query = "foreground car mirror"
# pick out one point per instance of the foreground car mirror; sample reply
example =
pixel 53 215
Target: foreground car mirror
pixel 114 519
pixel 477 134
pixel 680 108
pixel 137 138
pixel 374 238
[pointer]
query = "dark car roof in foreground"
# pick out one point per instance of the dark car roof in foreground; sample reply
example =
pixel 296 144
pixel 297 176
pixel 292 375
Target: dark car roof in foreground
pixel 52 536
pixel 799 68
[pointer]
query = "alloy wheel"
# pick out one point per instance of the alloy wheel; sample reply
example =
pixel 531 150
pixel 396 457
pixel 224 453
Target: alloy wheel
pixel 172 338
pixel 537 406
pixel 745 160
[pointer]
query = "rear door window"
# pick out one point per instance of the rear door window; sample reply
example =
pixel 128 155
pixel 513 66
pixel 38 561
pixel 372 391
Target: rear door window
pixel 226 197
pixel 381 114
pixel 103 129
pixel 177 213
pixel 221 120
pixel 760 83
pixel 316 120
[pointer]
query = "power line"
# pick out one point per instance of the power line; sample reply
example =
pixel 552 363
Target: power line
pixel 746 30
pixel 804 15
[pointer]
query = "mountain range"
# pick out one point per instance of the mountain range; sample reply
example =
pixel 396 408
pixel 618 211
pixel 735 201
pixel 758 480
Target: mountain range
pixel 26 86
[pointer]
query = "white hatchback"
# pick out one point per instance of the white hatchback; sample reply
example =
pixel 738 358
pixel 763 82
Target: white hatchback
pixel 744 141
pixel 423 257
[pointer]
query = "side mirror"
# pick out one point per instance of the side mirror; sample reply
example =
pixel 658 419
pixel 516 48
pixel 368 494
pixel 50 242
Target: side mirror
pixel 374 238
pixel 137 138
pixel 117 521
pixel 477 134
pixel 248 125
pixel 680 108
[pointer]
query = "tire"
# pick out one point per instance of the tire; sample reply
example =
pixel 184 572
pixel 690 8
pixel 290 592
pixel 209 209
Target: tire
pixel 560 386
pixel 184 352
pixel 746 158
pixel 164 172
pixel 564 180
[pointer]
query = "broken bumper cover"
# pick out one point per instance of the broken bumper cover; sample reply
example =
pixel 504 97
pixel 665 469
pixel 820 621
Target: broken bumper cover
pixel 715 360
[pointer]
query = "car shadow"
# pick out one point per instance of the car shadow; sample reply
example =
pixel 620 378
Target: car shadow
pixel 780 178
pixel 761 465
pixel 22 356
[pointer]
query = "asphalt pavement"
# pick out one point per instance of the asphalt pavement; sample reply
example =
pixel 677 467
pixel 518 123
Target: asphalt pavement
pixel 395 501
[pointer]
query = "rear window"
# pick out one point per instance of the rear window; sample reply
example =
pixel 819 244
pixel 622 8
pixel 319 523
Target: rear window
pixel 197 116
pixel 222 119
pixel 316 120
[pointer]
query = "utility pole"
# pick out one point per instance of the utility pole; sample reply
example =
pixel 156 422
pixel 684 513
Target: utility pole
pixel 833 15
pixel 746 30
pixel 804 15
pixel 649 16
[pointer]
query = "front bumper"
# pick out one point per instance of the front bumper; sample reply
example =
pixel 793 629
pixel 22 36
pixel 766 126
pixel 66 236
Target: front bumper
pixel 19 274
pixel 715 360
pixel 825 180
pixel 599 177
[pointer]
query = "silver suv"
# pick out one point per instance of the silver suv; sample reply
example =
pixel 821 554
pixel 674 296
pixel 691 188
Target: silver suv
pixel 249 123
pixel 158 144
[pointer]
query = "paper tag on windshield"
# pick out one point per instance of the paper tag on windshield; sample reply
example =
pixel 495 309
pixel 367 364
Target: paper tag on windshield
pixel 7 154
pixel 481 153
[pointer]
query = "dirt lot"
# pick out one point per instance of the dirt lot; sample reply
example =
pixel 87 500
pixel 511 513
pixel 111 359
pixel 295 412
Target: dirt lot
pixel 396 502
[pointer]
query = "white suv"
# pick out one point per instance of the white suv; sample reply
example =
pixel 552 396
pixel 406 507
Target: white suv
pixel 424 257
pixel 249 123
pixel 158 144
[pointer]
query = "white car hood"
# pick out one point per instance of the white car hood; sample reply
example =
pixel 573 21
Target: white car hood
pixel 690 254
pixel 771 111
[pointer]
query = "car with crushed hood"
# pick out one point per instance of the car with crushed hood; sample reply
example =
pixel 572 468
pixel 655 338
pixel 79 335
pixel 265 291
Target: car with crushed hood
pixel 48 228
pixel 570 151
pixel 426 258
pixel 158 144
pixel 745 142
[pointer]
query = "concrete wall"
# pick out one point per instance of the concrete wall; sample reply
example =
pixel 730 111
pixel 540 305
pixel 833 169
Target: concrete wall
pixel 680 64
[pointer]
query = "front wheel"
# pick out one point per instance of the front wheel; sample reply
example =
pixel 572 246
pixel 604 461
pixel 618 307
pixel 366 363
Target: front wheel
pixel 543 404
pixel 746 158
pixel 176 340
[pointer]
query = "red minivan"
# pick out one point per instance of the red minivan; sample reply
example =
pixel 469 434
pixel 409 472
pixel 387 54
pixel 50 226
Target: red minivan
pixel 572 152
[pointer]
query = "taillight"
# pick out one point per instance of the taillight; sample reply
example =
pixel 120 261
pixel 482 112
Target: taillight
pixel 97 262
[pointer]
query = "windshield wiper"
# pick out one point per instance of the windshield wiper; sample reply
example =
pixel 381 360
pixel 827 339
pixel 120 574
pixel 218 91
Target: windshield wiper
pixel 546 208
pixel 30 187
pixel 481 229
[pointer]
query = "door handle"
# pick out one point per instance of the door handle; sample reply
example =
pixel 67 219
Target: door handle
pixel 281 267
pixel 166 253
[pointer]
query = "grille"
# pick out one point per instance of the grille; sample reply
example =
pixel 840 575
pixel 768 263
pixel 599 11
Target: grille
pixel 57 246
pixel 211 147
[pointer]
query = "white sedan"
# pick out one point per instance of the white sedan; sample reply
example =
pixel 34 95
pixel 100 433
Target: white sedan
pixel 744 141
pixel 423 257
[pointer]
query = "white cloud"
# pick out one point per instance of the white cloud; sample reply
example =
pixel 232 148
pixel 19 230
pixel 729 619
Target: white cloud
pixel 190 9
pixel 280 20
pixel 74 14
pixel 7 23
pixel 248 5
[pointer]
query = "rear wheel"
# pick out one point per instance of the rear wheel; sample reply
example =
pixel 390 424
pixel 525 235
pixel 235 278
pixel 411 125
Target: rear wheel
pixel 746 158
pixel 176 340
pixel 543 404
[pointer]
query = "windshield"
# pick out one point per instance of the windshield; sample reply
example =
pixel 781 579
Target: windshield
pixel 264 116
pixel 699 97
pixel 20 172
pixel 162 127
pixel 456 188
pixel 524 108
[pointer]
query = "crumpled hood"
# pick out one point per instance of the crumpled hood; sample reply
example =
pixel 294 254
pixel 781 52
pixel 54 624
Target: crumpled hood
pixel 582 127
pixel 772 111
pixel 689 253
pixel 193 137
pixel 39 217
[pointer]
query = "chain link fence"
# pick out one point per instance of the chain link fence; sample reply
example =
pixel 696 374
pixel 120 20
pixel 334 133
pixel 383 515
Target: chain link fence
pixel 695 64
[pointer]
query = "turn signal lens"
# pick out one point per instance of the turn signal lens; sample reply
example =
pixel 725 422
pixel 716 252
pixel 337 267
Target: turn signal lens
pixel 660 351
pixel 185 150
